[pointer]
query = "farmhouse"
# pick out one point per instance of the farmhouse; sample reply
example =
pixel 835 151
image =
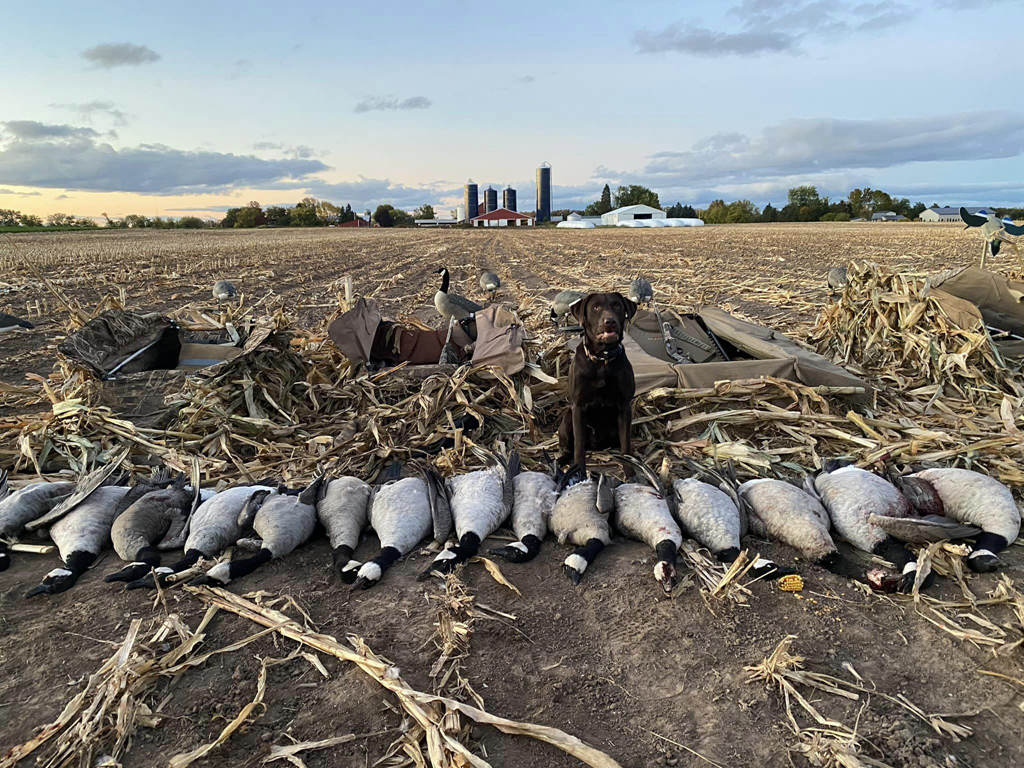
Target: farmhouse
pixel 503 217
pixel 888 216
pixel 949 213
pixel 631 213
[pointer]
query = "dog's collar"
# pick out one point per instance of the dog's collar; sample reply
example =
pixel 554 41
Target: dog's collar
pixel 603 357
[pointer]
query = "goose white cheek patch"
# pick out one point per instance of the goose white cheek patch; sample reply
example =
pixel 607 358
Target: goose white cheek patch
pixel 577 562
pixel 58 572
pixel 520 546
pixel 163 570
pixel 910 567
pixel 220 572
pixel 662 571
pixel 444 554
pixel 762 563
pixel 351 565
pixel 980 553
pixel 370 572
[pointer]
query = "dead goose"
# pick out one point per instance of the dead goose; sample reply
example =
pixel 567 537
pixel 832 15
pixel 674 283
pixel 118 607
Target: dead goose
pixel 977 499
pixel 643 513
pixel 25 505
pixel 12 323
pixel 534 497
pixel 489 282
pixel 80 536
pixel 851 495
pixel 282 521
pixel 214 527
pixel 343 510
pixel 155 522
pixel 713 518
pixel 641 291
pixel 783 512
pixel 563 302
pixel 224 290
pixel 837 279
pixel 580 516
pixel 451 304
pixel 402 514
pixel 480 501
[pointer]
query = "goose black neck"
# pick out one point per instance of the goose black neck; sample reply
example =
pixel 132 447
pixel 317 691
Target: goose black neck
pixel 444 280
pixel 192 556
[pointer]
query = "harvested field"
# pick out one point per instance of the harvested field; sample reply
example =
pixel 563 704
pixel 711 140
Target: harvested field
pixel 647 679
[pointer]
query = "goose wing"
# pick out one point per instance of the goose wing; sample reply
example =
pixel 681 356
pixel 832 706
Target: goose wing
pixel 462 301
pixel 972 219
pixel 1013 229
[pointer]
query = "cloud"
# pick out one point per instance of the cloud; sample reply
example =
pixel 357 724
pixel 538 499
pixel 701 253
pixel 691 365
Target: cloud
pixel 89 109
pixel 298 151
pixel 15 193
pixel 390 104
pixel 369 193
pixel 110 55
pixel 774 26
pixel 69 157
pixel 527 79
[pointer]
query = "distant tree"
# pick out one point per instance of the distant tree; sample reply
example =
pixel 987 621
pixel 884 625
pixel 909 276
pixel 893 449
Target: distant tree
pixel 715 213
pixel 741 212
pixel 770 213
pixel 383 216
pixel 230 217
pixel 303 215
pixel 60 220
pixel 328 212
pixel 842 216
pixel 605 203
pixel 277 216
pixel 190 222
pixel 805 195
pixel 402 218
pixel 635 194
pixel 674 211
pixel 136 221
pixel 250 216
pixel 29 220
pixel 349 215
pixel 828 217
pixel 85 222
pixel 425 212
pixel 9 217
pixel 916 210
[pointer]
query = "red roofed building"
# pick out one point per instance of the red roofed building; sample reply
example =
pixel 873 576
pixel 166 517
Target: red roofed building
pixel 503 217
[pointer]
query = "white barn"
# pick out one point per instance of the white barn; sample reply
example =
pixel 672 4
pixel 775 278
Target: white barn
pixel 631 213
pixel 948 213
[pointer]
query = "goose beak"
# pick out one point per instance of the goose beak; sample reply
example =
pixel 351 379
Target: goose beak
pixel 39 589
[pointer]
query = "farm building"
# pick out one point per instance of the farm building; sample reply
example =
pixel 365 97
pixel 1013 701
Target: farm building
pixel 631 213
pixel 503 217
pixel 949 213
pixel 358 221
pixel 888 216
pixel 435 222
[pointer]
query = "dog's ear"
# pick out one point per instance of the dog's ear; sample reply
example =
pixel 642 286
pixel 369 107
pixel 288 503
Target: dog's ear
pixel 579 309
pixel 630 306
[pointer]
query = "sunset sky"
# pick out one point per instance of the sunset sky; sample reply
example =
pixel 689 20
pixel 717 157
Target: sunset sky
pixel 195 107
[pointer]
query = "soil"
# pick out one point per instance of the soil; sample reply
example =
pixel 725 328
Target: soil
pixel 651 680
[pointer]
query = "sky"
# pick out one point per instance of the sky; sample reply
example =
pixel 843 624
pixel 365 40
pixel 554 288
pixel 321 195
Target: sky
pixel 191 108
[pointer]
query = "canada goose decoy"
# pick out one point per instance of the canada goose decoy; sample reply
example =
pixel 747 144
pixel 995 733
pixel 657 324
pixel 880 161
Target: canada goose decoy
pixel 489 282
pixel 12 323
pixel 480 501
pixel 563 302
pixel 641 291
pixel 25 505
pixel 995 231
pixel 224 290
pixel 282 520
pixel 451 304
pixel 213 527
pixel 976 499
pixel 80 536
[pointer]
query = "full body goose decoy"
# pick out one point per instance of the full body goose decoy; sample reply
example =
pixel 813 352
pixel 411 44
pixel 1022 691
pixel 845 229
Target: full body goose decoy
pixel 25 505
pixel 783 512
pixel 641 291
pixel 80 536
pixel 451 304
pixel 489 282
pixel 154 522
pixel 535 495
pixel 213 527
pixel 851 495
pixel 580 516
pixel 403 512
pixel 994 231
pixel 224 290
pixel 480 501
pixel 711 517
pixel 642 512
pixel 344 511
pixel 12 323
pixel 563 302
pixel 282 521
pixel 973 498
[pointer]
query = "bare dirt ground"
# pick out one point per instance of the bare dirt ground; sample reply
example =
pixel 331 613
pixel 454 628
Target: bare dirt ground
pixel 650 680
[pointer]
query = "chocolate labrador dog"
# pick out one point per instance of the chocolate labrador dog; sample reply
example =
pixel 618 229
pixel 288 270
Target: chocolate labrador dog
pixel 601 385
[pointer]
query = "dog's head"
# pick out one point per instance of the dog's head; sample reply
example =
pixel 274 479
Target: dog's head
pixel 604 317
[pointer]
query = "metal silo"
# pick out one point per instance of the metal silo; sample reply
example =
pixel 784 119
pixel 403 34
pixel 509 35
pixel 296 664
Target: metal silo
pixel 508 199
pixel 472 200
pixel 460 212
pixel 490 199
pixel 544 193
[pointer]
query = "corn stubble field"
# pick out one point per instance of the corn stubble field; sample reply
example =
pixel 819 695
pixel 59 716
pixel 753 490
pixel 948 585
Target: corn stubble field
pixel 702 677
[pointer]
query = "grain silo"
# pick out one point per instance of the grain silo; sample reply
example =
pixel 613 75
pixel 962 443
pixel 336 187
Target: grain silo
pixel 508 199
pixel 543 193
pixel 460 212
pixel 490 200
pixel 472 200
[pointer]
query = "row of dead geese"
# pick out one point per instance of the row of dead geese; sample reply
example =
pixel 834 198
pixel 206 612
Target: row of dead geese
pixel 155 514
